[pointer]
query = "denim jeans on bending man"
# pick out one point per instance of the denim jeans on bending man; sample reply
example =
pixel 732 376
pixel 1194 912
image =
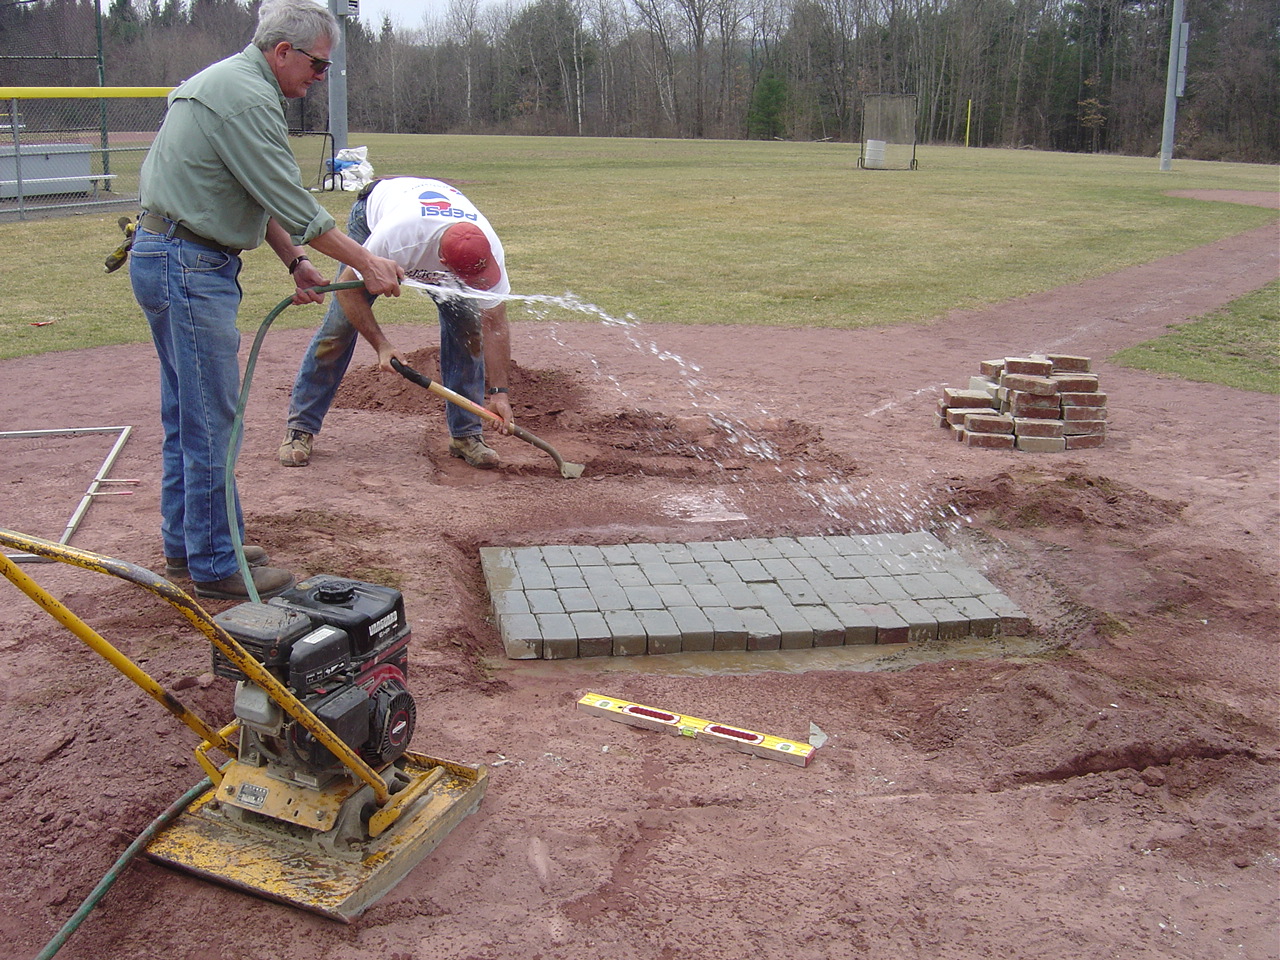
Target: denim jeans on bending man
pixel 331 349
pixel 190 295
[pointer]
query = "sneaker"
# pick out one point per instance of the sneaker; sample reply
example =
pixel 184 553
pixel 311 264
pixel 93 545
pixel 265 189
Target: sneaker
pixel 474 451
pixel 268 581
pixel 295 451
pixel 177 566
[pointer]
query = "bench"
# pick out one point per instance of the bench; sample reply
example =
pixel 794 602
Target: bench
pixel 85 184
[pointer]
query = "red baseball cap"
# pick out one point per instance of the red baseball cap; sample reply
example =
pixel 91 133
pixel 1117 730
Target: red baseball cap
pixel 465 251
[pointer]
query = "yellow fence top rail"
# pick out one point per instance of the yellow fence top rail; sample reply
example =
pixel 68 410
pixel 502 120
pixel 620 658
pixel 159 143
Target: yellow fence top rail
pixel 93 93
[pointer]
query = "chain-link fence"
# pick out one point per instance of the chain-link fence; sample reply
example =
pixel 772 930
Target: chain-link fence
pixel 73 149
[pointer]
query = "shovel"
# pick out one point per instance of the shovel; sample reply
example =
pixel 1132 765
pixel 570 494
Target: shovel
pixel 570 471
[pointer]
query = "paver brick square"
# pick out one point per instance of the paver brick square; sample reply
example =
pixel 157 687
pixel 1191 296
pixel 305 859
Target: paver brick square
pixel 895 587
pixel 629 637
pixel 890 628
pixel 826 628
pixel 793 628
pixel 644 598
pixel 762 632
pixel 577 599
pixel 559 639
pixel 521 638
pixel 661 630
pixel 859 625
pixel 922 626
pixel 697 633
pixel 952 624
pixel 594 638
pixel 730 631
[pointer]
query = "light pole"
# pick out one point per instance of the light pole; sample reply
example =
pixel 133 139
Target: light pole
pixel 1173 82
pixel 342 9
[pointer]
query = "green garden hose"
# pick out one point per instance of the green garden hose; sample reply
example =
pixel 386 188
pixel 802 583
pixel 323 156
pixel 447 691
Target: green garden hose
pixel 112 875
pixel 237 427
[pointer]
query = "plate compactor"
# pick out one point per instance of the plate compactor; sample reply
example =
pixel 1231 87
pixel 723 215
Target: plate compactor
pixel 322 805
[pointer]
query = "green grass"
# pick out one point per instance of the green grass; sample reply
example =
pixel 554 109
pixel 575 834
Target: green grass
pixel 722 232
pixel 1237 346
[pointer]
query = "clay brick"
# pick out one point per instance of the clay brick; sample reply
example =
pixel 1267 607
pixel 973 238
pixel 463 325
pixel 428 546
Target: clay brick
pixel 1065 363
pixel 958 433
pixel 1085 428
pixel 965 398
pixel 1085 441
pixel 1030 405
pixel 1035 366
pixel 1084 413
pixel 1031 427
pixel 956 415
pixel 984 385
pixel 1074 399
pixel 991 368
pixel 989 441
pixel 1042 444
pixel 1025 383
pixel 988 423
pixel 1076 382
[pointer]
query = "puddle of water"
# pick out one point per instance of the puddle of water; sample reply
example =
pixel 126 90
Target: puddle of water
pixel 871 657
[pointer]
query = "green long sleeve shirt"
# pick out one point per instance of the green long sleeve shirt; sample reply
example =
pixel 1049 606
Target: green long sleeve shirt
pixel 221 164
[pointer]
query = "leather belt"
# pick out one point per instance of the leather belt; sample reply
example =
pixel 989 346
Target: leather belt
pixel 171 228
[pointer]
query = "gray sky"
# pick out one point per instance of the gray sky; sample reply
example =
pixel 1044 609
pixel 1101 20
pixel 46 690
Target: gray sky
pixel 407 13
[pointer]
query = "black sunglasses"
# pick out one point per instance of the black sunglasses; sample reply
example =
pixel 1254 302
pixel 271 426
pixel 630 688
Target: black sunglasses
pixel 319 65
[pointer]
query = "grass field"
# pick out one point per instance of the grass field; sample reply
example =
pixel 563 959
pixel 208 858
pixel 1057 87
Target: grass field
pixel 1237 346
pixel 718 232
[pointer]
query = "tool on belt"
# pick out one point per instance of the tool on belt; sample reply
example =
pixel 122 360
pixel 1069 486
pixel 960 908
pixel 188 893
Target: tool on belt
pixel 121 253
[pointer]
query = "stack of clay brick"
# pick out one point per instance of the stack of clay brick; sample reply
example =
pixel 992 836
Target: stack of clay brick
pixel 1040 404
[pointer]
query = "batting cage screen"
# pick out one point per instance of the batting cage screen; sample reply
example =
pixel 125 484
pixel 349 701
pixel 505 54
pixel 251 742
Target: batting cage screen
pixel 888 132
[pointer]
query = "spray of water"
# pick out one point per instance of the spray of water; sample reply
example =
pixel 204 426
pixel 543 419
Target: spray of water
pixel 864 508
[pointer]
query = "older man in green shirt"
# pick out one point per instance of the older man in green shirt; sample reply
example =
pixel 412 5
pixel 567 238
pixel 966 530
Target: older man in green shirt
pixel 219 179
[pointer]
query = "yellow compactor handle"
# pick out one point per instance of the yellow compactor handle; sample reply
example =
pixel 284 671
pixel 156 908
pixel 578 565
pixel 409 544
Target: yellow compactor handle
pixel 218 636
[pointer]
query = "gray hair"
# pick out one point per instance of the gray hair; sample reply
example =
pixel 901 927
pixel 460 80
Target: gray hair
pixel 293 22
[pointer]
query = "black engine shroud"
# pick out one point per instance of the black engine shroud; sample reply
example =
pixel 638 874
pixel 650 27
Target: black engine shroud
pixel 342 648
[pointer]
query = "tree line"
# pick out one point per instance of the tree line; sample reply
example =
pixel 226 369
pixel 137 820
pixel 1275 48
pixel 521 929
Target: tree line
pixel 1072 75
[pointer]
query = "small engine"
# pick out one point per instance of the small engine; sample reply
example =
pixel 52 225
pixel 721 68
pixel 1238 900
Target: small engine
pixel 341 647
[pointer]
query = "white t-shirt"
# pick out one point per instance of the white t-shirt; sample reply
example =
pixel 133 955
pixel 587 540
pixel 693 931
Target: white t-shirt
pixel 406 217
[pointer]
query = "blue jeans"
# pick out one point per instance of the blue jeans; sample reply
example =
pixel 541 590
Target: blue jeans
pixel 331 349
pixel 190 295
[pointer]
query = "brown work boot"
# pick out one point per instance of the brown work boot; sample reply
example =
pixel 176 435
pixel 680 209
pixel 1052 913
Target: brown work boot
pixel 268 581
pixel 474 451
pixel 177 566
pixel 295 451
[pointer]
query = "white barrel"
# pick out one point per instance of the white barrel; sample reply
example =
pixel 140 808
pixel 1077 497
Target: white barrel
pixel 873 154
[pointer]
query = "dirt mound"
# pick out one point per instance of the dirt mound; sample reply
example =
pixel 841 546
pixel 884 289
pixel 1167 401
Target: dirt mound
pixel 1034 497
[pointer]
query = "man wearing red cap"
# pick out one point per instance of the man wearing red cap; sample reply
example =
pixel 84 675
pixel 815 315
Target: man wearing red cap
pixel 439 237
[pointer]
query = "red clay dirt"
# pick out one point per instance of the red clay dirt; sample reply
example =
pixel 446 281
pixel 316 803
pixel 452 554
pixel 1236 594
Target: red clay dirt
pixel 1107 790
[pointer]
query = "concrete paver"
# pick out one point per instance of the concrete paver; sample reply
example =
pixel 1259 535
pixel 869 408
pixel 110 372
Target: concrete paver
pixel 575 600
